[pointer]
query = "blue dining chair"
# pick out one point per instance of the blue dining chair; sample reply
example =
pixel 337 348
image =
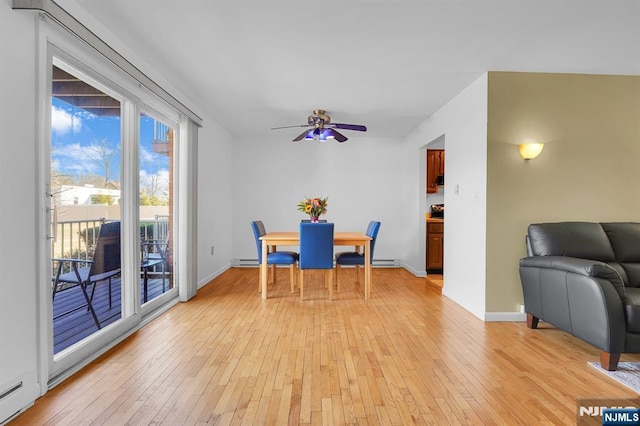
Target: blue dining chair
pixel 316 252
pixel 354 258
pixel 274 257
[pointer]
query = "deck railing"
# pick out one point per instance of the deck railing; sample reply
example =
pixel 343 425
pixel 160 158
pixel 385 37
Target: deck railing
pixel 76 238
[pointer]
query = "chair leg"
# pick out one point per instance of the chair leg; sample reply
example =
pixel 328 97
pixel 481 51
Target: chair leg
pixel 357 273
pixel 84 286
pixel 55 282
pixel 292 275
pixel 338 277
pixel 273 274
pixel 93 290
pixel 609 361
pixel 532 322
pixel 164 271
pixel 301 284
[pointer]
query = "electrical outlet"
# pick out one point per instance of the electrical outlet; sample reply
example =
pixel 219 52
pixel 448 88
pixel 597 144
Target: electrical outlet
pixel 213 250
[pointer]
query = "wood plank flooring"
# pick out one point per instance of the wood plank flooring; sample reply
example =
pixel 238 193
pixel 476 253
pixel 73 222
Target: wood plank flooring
pixel 406 356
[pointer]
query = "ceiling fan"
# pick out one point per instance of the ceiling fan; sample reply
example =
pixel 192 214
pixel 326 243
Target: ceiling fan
pixel 323 128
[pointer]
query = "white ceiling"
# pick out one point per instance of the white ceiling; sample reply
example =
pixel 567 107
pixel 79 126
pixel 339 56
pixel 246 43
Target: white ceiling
pixel 256 64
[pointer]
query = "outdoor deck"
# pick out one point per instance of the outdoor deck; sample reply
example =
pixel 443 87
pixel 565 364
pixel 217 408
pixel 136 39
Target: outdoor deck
pixel 75 326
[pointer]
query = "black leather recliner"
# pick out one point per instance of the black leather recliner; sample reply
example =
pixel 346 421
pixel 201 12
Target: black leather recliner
pixel 584 278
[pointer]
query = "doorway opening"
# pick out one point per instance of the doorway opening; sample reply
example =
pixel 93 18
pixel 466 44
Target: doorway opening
pixel 434 207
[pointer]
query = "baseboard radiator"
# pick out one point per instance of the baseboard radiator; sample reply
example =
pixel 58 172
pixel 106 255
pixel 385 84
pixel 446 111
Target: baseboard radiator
pixel 377 263
pixel 16 395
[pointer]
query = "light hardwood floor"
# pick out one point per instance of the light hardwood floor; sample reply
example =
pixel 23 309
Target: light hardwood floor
pixel 435 279
pixel 406 356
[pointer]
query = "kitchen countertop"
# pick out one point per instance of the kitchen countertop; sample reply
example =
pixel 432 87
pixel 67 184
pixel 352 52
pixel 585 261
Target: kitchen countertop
pixel 434 219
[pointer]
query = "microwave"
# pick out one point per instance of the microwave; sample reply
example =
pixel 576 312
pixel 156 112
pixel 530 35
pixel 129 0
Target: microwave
pixel 437 211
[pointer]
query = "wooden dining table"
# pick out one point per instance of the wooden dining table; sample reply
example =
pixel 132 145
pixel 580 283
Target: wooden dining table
pixel 356 239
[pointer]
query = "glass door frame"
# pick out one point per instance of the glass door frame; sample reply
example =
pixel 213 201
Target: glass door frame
pixel 171 293
pixel 130 313
pixel 55 42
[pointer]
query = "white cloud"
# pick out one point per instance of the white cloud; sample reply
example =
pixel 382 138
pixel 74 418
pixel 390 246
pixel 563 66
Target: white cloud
pixel 62 122
pixel 146 156
pixel 73 150
pixel 160 179
pixel 74 159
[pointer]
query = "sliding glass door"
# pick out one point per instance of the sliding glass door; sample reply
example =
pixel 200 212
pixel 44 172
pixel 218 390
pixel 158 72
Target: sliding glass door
pixel 110 176
pixel 85 211
pixel 110 157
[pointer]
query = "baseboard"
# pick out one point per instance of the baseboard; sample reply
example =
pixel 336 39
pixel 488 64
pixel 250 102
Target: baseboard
pixel 504 317
pixel 415 272
pixel 18 394
pixel 384 263
pixel 241 263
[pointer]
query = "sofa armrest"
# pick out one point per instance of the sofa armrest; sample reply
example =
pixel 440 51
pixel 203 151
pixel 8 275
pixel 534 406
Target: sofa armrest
pixel 581 297
pixel 587 267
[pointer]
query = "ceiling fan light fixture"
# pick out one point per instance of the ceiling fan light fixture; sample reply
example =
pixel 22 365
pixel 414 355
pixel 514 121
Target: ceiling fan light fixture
pixel 312 135
pixel 319 135
pixel 326 134
pixel 323 128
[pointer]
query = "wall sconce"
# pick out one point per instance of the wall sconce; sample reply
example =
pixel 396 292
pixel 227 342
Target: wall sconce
pixel 530 150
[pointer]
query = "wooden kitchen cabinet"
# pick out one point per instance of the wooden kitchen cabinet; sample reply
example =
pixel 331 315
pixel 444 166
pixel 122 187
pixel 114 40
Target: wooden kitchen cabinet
pixel 435 168
pixel 435 246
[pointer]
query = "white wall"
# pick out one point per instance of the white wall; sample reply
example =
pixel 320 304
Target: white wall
pixel 463 122
pixel 18 346
pixel 214 201
pixel 362 178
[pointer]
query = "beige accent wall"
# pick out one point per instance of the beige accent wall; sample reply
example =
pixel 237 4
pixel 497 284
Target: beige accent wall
pixel 589 169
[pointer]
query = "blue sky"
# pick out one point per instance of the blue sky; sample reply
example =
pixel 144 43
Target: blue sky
pixel 79 137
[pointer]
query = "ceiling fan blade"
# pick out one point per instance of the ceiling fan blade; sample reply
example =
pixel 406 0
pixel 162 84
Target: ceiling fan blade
pixel 357 127
pixel 339 136
pixel 289 127
pixel 300 136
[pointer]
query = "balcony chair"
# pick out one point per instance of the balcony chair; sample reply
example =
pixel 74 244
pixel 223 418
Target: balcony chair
pixel 316 252
pixel 274 257
pixel 103 267
pixel 354 258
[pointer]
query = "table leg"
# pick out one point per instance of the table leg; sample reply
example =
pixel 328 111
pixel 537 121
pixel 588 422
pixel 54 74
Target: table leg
pixel 263 269
pixel 358 249
pixel 367 270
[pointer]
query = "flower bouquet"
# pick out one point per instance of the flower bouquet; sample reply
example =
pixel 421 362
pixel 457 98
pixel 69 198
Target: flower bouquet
pixel 314 207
